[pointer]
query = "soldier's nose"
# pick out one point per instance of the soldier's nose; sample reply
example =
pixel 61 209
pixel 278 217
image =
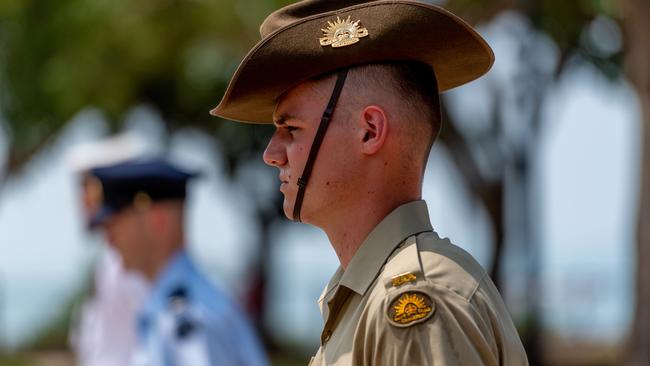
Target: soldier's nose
pixel 275 154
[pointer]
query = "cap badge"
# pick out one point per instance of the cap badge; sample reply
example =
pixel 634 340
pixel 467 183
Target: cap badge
pixel 341 33
pixel 141 201
pixel 410 308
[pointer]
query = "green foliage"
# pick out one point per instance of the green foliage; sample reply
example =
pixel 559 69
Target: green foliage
pixel 569 23
pixel 15 360
pixel 58 57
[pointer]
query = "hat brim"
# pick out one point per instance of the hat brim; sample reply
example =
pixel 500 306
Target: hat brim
pixel 397 30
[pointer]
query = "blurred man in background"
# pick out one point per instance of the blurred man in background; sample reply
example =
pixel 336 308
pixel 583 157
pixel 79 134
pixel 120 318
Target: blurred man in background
pixel 368 73
pixel 104 333
pixel 185 320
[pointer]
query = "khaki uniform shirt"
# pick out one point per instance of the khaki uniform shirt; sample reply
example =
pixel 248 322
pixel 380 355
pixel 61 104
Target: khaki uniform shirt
pixel 409 297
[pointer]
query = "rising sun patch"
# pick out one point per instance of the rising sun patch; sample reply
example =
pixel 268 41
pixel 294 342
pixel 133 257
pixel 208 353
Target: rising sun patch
pixel 410 308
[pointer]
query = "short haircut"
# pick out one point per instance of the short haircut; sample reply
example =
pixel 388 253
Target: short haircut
pixel 415 85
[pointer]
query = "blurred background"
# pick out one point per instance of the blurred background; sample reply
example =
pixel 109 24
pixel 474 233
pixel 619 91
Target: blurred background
pixel 540 171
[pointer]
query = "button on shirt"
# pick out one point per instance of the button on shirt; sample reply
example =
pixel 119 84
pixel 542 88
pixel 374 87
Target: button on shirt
pixel 187 321
pixel 409 297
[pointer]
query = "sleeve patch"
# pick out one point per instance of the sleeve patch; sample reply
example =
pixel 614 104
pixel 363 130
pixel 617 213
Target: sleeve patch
pixel 409 308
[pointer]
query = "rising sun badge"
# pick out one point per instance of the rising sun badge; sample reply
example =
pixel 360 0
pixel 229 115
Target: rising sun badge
pixel 341 33
pixel 410 308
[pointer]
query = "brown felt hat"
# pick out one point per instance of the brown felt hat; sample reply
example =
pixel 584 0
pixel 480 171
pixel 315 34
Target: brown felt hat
pixel 312 37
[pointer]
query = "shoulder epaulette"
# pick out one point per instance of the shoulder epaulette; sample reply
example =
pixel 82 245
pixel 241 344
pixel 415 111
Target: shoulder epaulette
pixel 404 267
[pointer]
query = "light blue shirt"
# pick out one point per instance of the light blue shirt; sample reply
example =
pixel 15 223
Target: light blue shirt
pixel 187 321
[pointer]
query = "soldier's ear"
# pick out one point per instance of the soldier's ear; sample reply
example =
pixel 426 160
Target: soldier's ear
pixel 374 129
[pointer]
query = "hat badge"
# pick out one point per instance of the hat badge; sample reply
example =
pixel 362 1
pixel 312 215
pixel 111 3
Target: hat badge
pixel 341 33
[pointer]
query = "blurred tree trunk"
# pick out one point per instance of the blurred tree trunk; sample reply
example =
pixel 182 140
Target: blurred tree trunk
pixel 488 192
pixel 636 15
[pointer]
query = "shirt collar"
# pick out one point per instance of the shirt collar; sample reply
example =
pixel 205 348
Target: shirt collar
pixel 178 271
pixel 404 221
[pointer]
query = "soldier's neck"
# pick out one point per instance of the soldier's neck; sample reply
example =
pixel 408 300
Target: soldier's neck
pixel 354 224
pixel 158 261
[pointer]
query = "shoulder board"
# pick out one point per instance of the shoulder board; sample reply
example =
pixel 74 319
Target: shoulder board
pixel 179 307
pixel 403 267
pixel 177 299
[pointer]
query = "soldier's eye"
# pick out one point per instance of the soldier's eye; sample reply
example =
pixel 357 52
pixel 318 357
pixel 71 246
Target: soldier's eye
pixel 290 129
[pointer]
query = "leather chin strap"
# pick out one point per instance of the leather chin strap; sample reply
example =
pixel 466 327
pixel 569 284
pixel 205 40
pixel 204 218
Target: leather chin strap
pixel 318 140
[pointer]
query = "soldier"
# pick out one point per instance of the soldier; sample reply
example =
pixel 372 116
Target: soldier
pixel 104 332
pixel 352 88
pixel 186 320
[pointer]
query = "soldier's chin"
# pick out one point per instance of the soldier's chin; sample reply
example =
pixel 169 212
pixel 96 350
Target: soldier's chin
pixel 287 207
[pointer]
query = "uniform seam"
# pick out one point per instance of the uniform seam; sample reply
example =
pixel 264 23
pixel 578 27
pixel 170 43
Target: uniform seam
pixel 450 290
pixel 415 287
pixel 475 288
pixel 478 285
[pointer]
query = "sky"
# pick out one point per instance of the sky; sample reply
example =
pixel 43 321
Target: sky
pixel 586 180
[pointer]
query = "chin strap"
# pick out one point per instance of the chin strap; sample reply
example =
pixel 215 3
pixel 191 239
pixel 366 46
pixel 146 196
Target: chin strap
pixel 318 140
